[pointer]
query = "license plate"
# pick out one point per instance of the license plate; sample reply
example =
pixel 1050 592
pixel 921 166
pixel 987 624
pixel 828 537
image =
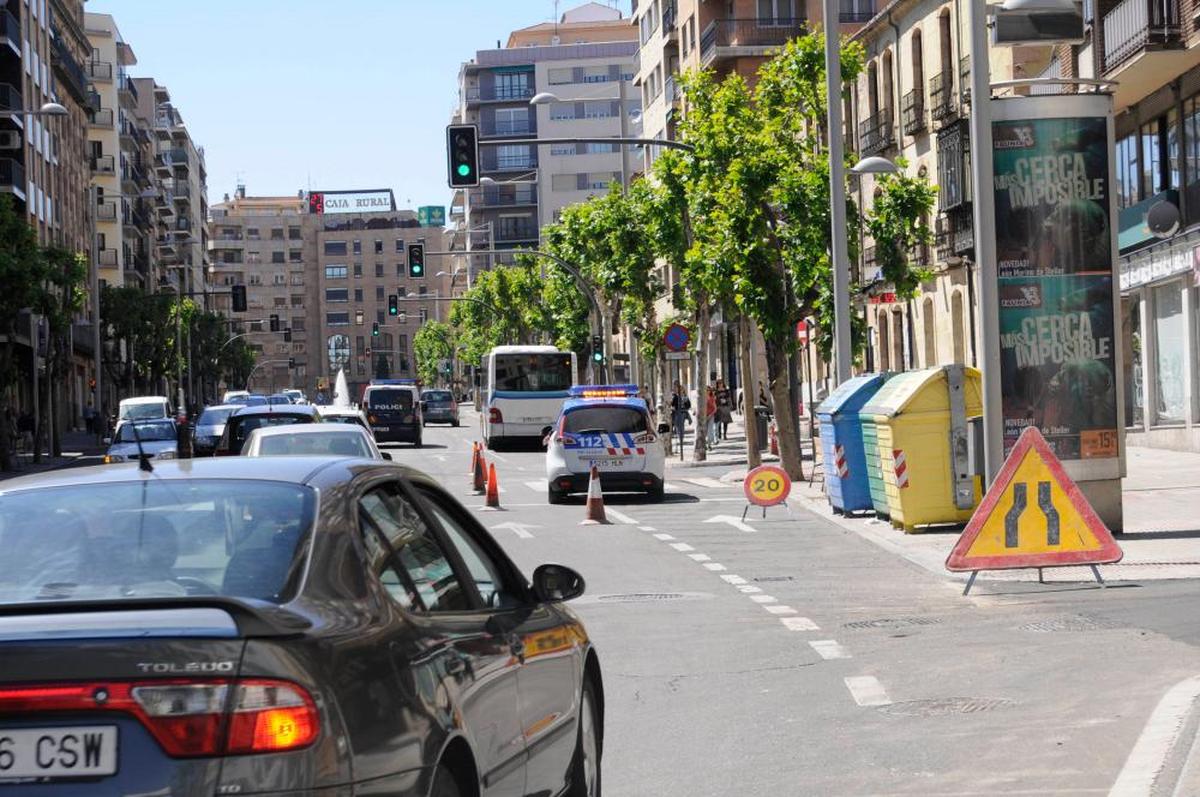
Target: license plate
pixel 383 428
pixel 608 464
pixel 82 752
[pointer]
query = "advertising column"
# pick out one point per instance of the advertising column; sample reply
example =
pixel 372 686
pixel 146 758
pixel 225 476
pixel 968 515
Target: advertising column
pixel 1055 252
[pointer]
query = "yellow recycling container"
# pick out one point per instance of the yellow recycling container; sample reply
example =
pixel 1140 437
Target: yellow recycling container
pixel 921 417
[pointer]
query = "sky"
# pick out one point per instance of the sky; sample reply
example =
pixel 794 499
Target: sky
pixel 287 95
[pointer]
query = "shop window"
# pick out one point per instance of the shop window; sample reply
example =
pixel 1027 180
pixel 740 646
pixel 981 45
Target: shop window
pixel 884 341
pixel 1170 349
pixel 1131 324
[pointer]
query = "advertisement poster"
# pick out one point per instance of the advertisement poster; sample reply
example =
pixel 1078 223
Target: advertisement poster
pixel 1054 261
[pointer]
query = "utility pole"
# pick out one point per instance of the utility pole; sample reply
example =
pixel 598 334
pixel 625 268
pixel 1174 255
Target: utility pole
pixel 839 250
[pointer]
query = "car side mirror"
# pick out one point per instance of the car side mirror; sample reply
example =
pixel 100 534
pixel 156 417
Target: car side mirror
pixel 386 455
pixel 557 584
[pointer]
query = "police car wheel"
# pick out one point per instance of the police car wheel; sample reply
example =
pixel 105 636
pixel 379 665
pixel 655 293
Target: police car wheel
pixel 656 492
pixel 554 496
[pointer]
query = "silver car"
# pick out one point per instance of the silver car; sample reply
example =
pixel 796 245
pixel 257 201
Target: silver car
pixel 209 428
pixel 312 440
pixel 155 439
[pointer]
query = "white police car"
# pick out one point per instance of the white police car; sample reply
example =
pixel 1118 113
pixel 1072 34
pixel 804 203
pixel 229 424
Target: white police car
pixel 610 427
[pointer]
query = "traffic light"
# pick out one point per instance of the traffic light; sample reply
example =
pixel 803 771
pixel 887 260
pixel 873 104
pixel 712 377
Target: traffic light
pixel 239 298
pixel 416 261
pixel 274 321
pixel 375 329
pixel 291 362
pixel 462 149
pixel 597 349
pixel 287 335
pixel 393 304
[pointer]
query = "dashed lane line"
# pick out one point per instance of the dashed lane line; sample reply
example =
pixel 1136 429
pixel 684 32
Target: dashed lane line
pixel 682 547
pixel 799 624
pixel 780 609
pixel 537 486
pixel 664 537
pixel 715 566
pixel 729 578
pixel 764 599
pixel 867 691
pixel 647 528
pixel 828 649
pixel 700 557
pixel 621 518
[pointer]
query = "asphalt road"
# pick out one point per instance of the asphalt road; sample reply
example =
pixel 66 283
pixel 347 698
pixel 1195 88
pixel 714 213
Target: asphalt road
pixel 796 658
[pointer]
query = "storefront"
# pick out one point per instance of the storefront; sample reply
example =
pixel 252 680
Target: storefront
pixel 1161 340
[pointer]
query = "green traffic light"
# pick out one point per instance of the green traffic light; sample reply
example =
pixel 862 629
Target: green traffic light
pixel 464 170
pixel 598 357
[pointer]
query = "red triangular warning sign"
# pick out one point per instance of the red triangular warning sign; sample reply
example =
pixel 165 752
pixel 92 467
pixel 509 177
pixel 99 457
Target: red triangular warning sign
pixel 1033 515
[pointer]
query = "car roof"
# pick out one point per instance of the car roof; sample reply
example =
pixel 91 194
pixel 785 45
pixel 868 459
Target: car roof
pixel 308 428
pixel 298 410
pixel 144 400
pixel 223 407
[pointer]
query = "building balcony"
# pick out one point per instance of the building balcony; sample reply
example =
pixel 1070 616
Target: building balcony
pixel 108 258
pixel 964 79
pixel 912 112
pixel 506 196
pixel 182 225
pixel 142 217
pixel 855 15
pixel 126 89
pixel 733 38
pixel 508 163
pixel 876 133
pixel 670 23
pixel 10 31
pixel 478 94
pixel 513 233
pixel 520 127
pixel 1143 40
pixel 942 107
pixel 70 72
pixel 102 118
pixel 104 164
pixel 12 177
pixel 181 192
pixel 101 71
pixel 106 211
pixel 10 98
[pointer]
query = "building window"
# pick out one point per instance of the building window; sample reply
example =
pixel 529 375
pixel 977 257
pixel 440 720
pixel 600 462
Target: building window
pixel 255 279
pixel 422 290
pixel 379 317
pixel 360 344
pixel 422 315
pixel 512 85
pixel 358 317
pixel 561 77
pixel 399 246
pixel 379 293
pixel 379 269
pixel 279 279
pixel 358 247
pixel 297 300
pixel 378 247
pixel 511 121
pixel 335 272
pixel 776 12
pixel 335 248
pixel 295 256
pixel 1170 349
pixel 278 257
pixel 337 295
pixel 337 319
pixel 252 233
pixel 293 233
pixel 1127 171
pixel 276 233
pixel 297 323
pixel 358 295
pixel 358 270
pixel 339 352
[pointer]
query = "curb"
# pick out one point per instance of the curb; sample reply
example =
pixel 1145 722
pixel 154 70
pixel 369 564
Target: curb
pixel 1159 743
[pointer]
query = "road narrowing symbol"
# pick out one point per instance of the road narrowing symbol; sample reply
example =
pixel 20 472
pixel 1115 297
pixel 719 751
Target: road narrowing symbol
pixel 1034 515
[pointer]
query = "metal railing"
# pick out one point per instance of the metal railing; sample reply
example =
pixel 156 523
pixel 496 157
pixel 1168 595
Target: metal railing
pixel 517 232
pixel 12 28
pixel 912 112
pixel 70 69
pixel 10 98
pixel 108 257
pixel 509 128
pixel 12 173
pixel 514 162
pixel 100 70
pixel 876 133
pixel 104 164
pixel 102 118
pixel 941 97
pixel 106 211
pixel 964 78
pixel 1135 24
pixel 670 15
pixel 500 197
pixel 499 93
pixel 128 86
pixel 762 32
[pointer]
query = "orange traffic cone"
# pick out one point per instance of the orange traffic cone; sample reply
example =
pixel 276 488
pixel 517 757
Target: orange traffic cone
pixel 480 479
pixel 774 440
pixel 492 501
pixel 474 456
pixel 595 501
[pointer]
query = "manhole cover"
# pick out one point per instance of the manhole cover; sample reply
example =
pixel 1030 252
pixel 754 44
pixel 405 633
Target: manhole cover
pixel 1074 622
pixel 893 622
pixel 775 578
pixel 937 707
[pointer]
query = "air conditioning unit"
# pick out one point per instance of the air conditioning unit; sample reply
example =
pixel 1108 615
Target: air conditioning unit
pixel 10 139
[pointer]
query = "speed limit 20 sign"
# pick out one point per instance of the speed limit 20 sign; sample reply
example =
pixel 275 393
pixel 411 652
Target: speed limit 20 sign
pixel 767 485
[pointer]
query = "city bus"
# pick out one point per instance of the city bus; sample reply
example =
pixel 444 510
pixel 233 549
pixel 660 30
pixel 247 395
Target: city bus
pixel 522 390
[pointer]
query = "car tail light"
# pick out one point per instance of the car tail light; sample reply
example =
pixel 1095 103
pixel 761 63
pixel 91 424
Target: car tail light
pixel 371 419
pixel 190 718
pixel 495 416
pixel 645 438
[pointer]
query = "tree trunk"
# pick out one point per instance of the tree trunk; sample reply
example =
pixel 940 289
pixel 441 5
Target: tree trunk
pixel 700 450
pixel 753 454
pixel 785 410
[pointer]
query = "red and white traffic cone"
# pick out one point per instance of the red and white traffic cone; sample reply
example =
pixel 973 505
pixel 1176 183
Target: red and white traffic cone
pixel 492 500
pixel 479 481
pixel 595 501
pixel 474 456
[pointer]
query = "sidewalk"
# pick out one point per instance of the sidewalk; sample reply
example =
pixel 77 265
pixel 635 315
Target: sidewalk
pixel 75 445
pixel 729 452
pixel 1161 539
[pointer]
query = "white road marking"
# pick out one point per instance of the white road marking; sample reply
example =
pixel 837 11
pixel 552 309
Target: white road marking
pixel 799 624
pixel 780 609
pixel 699 557
pixel 663 537
pixel 439 457
pixel 732 579
pixel 764 599
pixel 647 528
pixel 621 518
pixel 682 546
pixel 749 589
pixel 520 529
pixel 704 481
pixel 672 487
pixel 732 520
pixel 828 649
pixel 714 566
pixel 537 486
pixel 1154 745
pixel 867 691
pixel 495 456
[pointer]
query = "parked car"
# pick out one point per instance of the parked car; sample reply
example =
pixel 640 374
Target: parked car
pixel 279 398
pixel 245 419
pixel 312 440
pixel 297 396
pixel 249 400
pixel 158 439
pixel 209 428
pixel 230 395
pixel 439 406
pixel 143 408
pixel 205 630
pixel 344 415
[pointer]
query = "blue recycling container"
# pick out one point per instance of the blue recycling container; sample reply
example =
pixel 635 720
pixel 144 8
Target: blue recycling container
pixel 847 485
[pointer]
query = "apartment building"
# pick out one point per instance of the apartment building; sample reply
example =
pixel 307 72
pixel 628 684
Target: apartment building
pixel 258 241
pixel 586 60
pixel 181 194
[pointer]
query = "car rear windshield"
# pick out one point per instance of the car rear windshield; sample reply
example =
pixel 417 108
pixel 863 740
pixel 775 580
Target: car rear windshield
pixel 396 400
pixel 214 417
pixel 438 396
pixel 248 423
pixel 614 420
pixel 154 538
pixel 533 373
pixel 133 430
pixel 333 443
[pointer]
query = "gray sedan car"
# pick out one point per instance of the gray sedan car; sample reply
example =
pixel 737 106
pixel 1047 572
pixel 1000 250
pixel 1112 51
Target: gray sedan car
pixel 158 440
pixel 278 626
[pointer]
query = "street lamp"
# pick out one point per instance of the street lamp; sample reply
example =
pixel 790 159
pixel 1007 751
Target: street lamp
pixel 547 98
pixel 874 165
pixel 48 109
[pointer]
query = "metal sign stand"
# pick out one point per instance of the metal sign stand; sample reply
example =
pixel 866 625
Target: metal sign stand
pixel 1041 580
pixel 784 504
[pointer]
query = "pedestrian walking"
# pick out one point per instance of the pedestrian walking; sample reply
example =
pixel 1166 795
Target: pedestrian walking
pixel 89 418
pixel 724 408
pixel 681 407
pixel 710 415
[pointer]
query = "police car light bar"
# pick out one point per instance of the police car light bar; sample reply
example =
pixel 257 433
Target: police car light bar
pixel 604 391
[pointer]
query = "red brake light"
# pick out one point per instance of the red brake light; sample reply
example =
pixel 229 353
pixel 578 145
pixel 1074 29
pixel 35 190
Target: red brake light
pixel 188 718
pixel 495 416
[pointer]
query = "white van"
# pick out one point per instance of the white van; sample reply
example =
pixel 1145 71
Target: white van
pixel 144 408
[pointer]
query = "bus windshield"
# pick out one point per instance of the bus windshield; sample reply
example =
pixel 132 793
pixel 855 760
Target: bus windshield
pixel 533 373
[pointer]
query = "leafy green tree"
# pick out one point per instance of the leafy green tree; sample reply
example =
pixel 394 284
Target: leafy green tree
pixel 433 343
pixel 60 301
pixel 23 276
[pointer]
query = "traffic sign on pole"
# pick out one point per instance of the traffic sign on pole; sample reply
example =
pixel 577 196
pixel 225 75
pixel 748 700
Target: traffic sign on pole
pixel 676 338
pixel 802 333
pixel 1033 515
